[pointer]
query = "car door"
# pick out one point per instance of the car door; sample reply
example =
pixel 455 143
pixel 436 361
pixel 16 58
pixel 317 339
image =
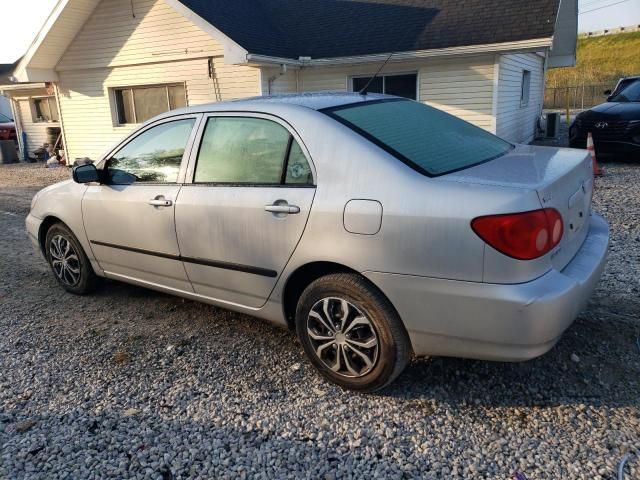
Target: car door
pixel 244 206
pixel 130 218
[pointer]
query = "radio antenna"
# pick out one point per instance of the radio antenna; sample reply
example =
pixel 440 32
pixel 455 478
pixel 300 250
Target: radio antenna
pixel 366 87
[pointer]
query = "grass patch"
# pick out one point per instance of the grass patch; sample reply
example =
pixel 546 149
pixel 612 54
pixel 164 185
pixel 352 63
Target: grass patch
pixel 600 60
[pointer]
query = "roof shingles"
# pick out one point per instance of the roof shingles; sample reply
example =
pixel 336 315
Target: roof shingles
pixel 338 28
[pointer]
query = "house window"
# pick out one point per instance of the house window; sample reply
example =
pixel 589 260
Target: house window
pixel 526 88
pixel 402 85
pixel 45 109
pixel 139 104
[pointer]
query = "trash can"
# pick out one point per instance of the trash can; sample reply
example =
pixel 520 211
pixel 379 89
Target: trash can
pixel 8 151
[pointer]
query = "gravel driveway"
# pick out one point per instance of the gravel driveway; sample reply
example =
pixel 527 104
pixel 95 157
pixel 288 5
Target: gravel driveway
pixel 129 383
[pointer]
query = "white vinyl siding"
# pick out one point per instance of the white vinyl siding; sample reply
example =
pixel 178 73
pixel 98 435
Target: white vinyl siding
pixel 113 37
pixel 280 83
pixel 88 110
pixel 461 86
pixel 74 15
pixel 516 121
pixel 36 131
pixel 158 46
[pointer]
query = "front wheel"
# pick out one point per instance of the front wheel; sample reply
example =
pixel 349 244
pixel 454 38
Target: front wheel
pixel 351 332
pixel 67 259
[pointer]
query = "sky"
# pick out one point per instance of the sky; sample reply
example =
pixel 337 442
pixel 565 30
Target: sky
pixel 23 19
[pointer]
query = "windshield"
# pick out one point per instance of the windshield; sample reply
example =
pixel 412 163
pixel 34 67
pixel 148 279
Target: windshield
pixel 629 94
pixel 5 119
pixel 428 140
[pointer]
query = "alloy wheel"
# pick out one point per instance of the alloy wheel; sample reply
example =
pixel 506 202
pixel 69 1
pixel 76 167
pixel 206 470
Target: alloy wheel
pixel 343 338
pixel 64 261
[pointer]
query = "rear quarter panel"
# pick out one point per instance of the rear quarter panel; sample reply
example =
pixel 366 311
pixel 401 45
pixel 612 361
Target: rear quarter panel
pixel 425 227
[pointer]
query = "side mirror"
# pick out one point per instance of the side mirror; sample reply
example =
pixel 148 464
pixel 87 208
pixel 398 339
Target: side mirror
pixel 86 173
pixel 607 92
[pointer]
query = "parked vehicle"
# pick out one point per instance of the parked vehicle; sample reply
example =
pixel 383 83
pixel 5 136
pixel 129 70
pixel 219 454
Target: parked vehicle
pixel 7 128
pixel 375 226
pixel 615 125
pixel 623 83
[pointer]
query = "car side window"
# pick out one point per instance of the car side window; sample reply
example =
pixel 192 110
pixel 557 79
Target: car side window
pixel 154 156
pixel 240 150
pixel 250 151
pixel 298 169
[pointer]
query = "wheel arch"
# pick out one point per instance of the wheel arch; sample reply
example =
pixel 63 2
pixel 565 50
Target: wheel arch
pixel 46 224
pixel 304 275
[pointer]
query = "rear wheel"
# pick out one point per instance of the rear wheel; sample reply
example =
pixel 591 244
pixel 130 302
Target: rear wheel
pixel 351 332
pixel 67 259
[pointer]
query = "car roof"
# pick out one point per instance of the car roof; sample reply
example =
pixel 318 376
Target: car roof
pixel 318 100
pixel 271 103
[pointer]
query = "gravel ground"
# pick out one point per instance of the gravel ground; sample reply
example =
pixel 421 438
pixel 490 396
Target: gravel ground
pixel 129 383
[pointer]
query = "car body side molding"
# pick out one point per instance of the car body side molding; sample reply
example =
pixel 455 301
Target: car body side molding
pixel 199 261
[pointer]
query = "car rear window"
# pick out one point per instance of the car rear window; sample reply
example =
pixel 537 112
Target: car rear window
pixel 425 138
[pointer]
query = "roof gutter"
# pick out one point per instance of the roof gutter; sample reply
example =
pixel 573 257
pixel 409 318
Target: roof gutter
pixel 255 59
pixel 519 46
pixel 21 86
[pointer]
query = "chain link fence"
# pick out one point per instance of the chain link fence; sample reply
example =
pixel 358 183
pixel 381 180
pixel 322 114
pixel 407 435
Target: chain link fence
pixel 578 97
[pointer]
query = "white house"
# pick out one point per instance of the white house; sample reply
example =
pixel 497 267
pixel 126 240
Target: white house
pixel 106 65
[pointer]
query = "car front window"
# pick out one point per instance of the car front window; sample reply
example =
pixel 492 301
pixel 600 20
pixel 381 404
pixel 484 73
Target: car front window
pixel 154 156
pixel 631 93
pixel 427 139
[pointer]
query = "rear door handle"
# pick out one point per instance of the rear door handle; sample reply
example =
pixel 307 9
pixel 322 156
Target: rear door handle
pixel 160 202
pixel 282 209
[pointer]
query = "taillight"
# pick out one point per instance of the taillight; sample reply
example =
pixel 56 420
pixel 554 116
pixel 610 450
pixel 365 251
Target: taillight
pixel 523 236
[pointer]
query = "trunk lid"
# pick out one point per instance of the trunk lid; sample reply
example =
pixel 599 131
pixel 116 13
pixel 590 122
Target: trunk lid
pixel 562 179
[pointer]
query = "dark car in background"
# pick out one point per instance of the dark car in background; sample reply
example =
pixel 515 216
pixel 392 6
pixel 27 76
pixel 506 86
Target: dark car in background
pixel 7 128
pixel 615 125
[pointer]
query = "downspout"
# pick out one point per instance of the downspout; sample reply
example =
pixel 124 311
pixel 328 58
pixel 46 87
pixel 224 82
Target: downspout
pixel 283 70
pixel 544 81
pixel 496 92
pixel 61 121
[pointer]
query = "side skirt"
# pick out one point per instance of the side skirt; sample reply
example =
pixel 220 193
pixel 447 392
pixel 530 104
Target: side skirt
pixel 264 312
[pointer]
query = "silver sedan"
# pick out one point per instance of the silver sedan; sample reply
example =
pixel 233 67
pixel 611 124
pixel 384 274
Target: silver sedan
pixel 376 227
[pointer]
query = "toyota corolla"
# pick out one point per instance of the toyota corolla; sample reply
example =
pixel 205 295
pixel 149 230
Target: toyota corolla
pixel 376 227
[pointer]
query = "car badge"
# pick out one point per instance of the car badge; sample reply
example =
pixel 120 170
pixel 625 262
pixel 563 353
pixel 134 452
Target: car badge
pixel 601 125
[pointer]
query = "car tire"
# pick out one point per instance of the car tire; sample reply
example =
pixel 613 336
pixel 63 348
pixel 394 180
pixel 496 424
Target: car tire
pixel 364 350
pixel 68 262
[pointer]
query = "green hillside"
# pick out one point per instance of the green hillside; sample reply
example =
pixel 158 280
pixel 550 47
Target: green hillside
pixel 601 60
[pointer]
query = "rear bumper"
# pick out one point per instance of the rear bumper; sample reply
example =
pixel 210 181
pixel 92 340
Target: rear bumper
pixel 492 321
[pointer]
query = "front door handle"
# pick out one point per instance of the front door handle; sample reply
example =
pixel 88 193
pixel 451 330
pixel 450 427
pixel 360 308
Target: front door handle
pixel 287 209
pixel 160 202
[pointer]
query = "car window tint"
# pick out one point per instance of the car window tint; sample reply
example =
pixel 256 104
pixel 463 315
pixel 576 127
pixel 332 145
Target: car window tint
pixel 153 156
pixel 241 150
pixel 421 136
pixel 298 169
